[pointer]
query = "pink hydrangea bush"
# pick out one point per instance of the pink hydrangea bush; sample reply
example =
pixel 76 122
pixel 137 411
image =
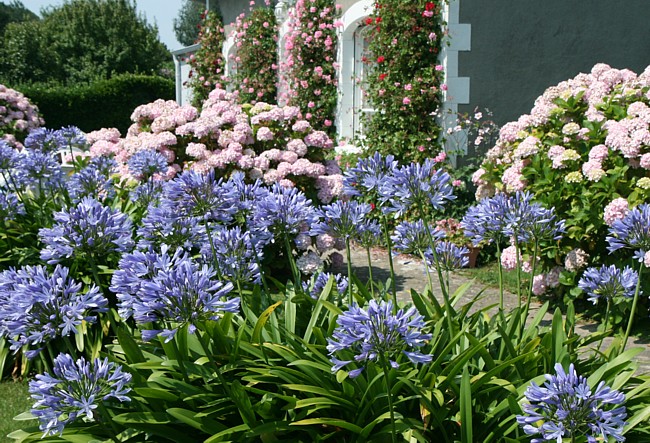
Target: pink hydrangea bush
pixel 584 149
pixel 264 141
pixel 18 116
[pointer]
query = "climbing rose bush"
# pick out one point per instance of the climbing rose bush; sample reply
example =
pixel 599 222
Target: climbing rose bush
pixel 264 141
pixel 255 62
pixel 18 116
pixel 584 149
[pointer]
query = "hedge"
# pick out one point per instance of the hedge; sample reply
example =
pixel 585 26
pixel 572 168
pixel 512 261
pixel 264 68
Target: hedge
pixel 102 104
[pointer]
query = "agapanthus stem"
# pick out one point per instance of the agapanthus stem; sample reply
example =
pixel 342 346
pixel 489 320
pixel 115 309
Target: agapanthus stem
pixel 500 277
pixel 389 395
pixel 389 245
pixel 529 295
pixel 349 263
pixel 215 263
pixel 427 270
pixel 633 311
pixel 605 324
pixel 371 280
pixel 292 263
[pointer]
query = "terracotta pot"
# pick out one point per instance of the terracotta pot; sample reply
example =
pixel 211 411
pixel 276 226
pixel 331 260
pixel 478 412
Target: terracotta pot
pixel 472 256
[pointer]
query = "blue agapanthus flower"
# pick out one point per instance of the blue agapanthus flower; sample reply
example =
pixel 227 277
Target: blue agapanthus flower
pixel 10 206
pixel 369 234
pixel 245 195
pixel 367 176
pixel 45 140
pixel 377 334
pixel 485 222
pixel 414 186
pixel 172 290
pixel 412 237
pixel 566 407
pixel 71 137
pixel 450 256
pixel 529 220
pixel 163 226
pixel 88 229
pixel 74 391
pixel 203 196
pixel 146 163
pixel 608 282
pixel 8 157
pixel 94 180
pixel 236 255
pixel 38 169
pixel 632 232
pixel 36 306
pixel 341 219
pixel 285 210
pixel 340 283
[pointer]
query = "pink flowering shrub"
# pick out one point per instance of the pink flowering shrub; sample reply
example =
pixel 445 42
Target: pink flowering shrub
pixel 584 149
pixel 405 78
pixel 18 116
pixel 255 60
pixel 310 61
pixel 264 141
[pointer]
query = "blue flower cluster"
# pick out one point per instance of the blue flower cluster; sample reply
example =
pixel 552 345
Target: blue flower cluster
pixel 89 229
pixel 285 210
pixel 94 180
pixel 36 306
pixel 341 219
pixel 235 255
pixel 171 289
pixel 340 281
pixel 146 163
pixel 565 406
pixel 632 232
pixel 377 334
pixel 10 206
pixel 608 282
pixel 368 175
pixel 75 390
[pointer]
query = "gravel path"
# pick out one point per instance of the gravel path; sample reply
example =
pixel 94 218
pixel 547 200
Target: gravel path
pixel 410 274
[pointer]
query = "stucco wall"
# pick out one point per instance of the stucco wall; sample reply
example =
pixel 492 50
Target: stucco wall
pixel 520 47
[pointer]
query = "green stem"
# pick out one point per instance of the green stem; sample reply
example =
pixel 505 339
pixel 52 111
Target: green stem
pixel 529 295
pixel 389 245
pixel 633 312
pixel 609 302
pixel 292 264
pixel 389 394
pixel 179 358
pixel 214 251
pixel 500 277
pixel 371 280
pixel 349 263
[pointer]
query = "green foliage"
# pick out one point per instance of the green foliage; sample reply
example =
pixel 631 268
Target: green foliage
pixel 14 12
pixel 15 400
pixel 104 103
pixel 188 22
pixel 208 63
pixel 405 80
pixel 81 41
pixel 255 62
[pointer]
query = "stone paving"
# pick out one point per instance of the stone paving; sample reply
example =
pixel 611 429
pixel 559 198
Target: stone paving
pixel 410 274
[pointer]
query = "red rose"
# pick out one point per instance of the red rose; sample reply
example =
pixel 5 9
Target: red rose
pixel 430 6
pixel 368 21
pixel 378 20
pixel 382 76
pixel 381 59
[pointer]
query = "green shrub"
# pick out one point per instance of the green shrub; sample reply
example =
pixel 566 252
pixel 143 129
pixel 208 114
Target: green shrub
pixel 105 103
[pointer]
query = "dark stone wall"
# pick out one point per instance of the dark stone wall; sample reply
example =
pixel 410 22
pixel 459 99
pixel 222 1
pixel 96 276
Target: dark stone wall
pixel 521 47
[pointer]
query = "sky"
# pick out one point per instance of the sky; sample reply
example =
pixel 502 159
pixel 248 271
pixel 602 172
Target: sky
pixel 160 12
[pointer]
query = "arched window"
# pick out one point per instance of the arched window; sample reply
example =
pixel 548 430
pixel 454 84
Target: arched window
pixel 362 66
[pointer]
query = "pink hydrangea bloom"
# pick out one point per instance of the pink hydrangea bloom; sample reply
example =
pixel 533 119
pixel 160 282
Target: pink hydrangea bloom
pixel 576 260
pixel 539 285
pixel 509 258
pixel 616 210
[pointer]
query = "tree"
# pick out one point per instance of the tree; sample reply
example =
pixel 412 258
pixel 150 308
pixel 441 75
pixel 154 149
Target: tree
pixel 81 41
pixel 14 12
pixel 188 22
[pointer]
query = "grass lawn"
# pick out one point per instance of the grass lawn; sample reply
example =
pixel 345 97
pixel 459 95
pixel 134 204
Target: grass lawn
pixel 488 274
pixel 15 400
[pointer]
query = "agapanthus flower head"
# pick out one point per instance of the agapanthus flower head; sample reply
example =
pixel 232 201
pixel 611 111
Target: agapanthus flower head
pixel 10 206
pixel 45 140
pixel 203 196
pixel 321 280
pixel 412 237
pixel 147 193
pixel 376 334
pixel 368 174
pixel 530 221
pixel 71 137
pixel 8 157
pixel 565 406
pixel 341 219
pixel 608 282
pixel 451 256
pixel 74 391
pixel 285 210
pixel 37 306
pixel 171 289
pixel 246 195
pixel 92 181
pixel 236 255
pixel 485 221
pixel 369 234
pixel 38 169
pixel 88 229
pixel 416 185
pixel 162 226
pixel 146 163
pixel 631 232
